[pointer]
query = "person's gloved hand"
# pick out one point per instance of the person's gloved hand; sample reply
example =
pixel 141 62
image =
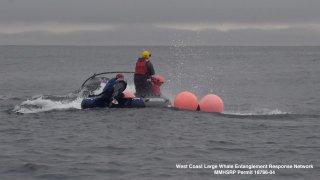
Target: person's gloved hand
pixel 113 102
pixel 153 79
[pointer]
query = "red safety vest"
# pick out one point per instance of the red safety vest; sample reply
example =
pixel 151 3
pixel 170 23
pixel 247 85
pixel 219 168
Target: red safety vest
pixel 141 67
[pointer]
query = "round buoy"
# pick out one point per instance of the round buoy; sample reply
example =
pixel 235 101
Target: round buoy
pixel 186 101
pixel 211 103
pixel 128 94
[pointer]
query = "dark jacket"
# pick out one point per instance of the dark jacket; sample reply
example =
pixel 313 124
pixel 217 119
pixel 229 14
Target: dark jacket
pixel 112 90
pixel 150 69
pixel 142 86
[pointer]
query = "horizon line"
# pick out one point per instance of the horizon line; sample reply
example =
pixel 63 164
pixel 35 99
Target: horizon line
pixel 159 45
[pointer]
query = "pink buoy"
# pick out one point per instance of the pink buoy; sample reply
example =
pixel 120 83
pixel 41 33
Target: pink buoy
pixel 186 101
pixel 128 94
pixel 211 103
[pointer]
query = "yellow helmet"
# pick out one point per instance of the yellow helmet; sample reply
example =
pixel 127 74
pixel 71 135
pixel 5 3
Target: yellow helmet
pixel 145 54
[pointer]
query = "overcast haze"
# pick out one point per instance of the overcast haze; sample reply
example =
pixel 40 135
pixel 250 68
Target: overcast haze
pixel 161 22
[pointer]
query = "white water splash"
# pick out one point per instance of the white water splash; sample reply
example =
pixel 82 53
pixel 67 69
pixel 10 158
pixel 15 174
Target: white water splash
pixel 6 97
pixel 3 97
pixel 42 105
pixel 100 89
pixel 263 111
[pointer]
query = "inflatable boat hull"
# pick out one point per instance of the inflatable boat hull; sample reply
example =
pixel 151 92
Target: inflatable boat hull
pixel 129 103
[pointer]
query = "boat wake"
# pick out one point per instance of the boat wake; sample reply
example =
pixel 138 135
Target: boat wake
pixel 5 97
pixel 257 112
pixel 44 103
pixel 48 103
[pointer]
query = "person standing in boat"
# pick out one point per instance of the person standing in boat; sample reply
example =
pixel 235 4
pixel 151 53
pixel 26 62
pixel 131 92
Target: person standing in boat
pixel 142 77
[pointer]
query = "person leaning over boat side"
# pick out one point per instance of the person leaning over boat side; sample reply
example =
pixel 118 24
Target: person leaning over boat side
pixel 112 91
pixel 143 72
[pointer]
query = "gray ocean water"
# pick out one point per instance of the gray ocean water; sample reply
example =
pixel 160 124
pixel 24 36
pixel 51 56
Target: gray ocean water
pixel 271 97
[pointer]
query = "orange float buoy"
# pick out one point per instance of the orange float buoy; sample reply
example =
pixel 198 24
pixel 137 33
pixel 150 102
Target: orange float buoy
pixel 128 94
pixel 211 103
pixel 186 101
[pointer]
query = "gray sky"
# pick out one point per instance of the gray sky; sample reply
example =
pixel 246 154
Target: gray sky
pixel 160 22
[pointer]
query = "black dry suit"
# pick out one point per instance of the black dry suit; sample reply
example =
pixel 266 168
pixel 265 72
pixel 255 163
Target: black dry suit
pixel 112 90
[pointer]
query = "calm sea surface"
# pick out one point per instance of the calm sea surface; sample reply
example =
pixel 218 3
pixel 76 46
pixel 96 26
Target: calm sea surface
pixel 272 111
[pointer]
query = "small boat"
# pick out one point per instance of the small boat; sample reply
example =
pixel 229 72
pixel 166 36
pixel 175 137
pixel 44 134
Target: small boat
pixel 96 82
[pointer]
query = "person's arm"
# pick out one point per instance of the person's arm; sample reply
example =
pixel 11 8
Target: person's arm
pixel 119 87
pixel 105 89
pixel 150 69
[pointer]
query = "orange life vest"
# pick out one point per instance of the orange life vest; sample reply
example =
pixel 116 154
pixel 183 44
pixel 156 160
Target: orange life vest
pixel 141 67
